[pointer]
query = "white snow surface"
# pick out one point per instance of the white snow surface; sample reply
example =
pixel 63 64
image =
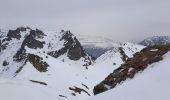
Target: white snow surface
pixel 19 90
pixel 60 75
pixel 152 84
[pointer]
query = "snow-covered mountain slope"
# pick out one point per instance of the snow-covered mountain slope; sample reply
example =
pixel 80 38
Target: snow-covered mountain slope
pixel 53 63
pixel 95 45
pixel 20 90
pixel 62 81
pixel 131 67
pixel 152 84
pixel 119 54
pixel 156 40
pixel 15 45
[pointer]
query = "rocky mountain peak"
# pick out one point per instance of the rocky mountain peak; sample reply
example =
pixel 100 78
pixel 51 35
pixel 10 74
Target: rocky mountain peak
pixel 51 44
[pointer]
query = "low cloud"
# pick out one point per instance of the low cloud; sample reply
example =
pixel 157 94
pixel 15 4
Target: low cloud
pixel 120 20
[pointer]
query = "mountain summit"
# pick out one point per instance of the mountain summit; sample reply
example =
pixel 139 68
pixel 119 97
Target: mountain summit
pixel 17 48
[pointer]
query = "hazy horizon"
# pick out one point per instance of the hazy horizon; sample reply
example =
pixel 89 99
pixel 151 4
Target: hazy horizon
pixel 119 20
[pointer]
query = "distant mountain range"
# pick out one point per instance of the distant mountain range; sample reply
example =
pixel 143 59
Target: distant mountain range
pixel 95 45
pixel 156 40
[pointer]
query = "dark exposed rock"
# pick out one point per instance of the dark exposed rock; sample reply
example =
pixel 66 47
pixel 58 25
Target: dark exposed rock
pixel 3 46
pixel 76 51
pixel 37 33
pixel 132 66
pixel 42 83
pixel 72 47
pixel 85 86
pixel 68 43
pixel 38 62
pixel 5 63
pixel 73 94
pixel 3 43
pixel 20 68
pixel 34 44
pixel 0 45
pixel 62 96
pixel 20 55
pixel 78 90
pixel 16 33
pixel 124 56
pixel 31 42
pixel 58 53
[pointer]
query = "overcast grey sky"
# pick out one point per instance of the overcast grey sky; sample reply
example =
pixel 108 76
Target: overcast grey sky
pixel 120 20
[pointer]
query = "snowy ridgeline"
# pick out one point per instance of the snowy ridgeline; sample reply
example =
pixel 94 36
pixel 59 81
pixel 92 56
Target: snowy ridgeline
pixel 156 40
pixel 63 78
pixel 152 84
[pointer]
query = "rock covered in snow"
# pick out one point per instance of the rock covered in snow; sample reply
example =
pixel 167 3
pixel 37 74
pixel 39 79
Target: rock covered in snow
pixel 132 66
pixel 156 40
pixel 16 46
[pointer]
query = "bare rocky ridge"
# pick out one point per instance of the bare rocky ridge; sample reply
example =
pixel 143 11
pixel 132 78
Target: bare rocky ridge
pixel 38 62
pixel 29 41
pixel 132 66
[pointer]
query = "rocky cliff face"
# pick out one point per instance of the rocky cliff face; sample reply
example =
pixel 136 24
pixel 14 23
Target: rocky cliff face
pixel 15 47
pixel 132 66
pixel 72 47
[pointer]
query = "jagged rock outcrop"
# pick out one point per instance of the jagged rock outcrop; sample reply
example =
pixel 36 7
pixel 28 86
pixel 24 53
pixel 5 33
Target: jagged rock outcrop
pixel 20 41
pixel 72 47
pixel 31 42
pixel 124 57
pixel 38 62
pixel 132 66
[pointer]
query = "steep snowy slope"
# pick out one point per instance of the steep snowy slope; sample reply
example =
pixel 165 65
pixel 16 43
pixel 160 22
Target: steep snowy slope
pixel 61 80
pixel 152 84
pixel 14 45
pixel 20 90
pixel 56 63
pixel 118 55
